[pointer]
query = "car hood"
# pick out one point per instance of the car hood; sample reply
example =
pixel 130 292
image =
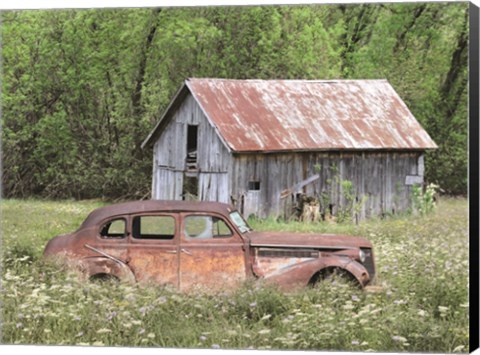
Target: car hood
pixel 306 240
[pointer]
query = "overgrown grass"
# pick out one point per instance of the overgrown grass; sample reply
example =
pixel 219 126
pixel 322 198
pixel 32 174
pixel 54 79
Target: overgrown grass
pixel 422 264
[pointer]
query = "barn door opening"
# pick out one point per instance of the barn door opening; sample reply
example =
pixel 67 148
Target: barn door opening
pixel 190 187
pixel 251 200
pixel 192 142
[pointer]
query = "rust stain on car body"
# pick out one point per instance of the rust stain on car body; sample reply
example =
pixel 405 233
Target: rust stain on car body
pixel 205 245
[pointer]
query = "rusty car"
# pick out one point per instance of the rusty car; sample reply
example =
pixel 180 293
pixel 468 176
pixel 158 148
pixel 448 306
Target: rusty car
pixel 190 244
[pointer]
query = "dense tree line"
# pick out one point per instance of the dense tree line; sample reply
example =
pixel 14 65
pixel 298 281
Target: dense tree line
pixel 81 89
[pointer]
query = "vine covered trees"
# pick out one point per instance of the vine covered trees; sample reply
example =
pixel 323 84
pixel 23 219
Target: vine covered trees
pixel 81 89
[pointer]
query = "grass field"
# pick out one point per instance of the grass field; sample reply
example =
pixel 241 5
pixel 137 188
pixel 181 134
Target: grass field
pixel 422 264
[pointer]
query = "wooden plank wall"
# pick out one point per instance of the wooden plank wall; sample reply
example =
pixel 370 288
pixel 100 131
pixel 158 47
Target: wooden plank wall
pixel 214 160
pixel 380 177
pixel 169 185
pixel 213 187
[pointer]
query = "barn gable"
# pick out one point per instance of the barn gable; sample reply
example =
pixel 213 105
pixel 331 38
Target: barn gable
pixel 171 113
pixel 182 158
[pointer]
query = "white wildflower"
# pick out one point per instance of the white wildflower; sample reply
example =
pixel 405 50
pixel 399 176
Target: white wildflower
pixel 458 349
pixel 399 339
pixel 265 317
pixel 103 330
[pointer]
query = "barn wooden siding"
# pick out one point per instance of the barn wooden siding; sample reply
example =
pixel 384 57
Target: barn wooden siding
pixel 224 176
pixel 379 176
pixel 170 150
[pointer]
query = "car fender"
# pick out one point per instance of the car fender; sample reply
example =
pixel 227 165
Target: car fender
pixel 100 265
pixel 300 275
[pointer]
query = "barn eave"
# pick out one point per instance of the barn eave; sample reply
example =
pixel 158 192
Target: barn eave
pixel 172 107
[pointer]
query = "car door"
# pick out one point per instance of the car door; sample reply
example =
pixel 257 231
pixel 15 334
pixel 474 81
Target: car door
pixel 153 248
pixel 212 254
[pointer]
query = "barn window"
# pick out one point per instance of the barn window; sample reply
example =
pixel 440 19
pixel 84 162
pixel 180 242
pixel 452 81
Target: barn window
pixel 254 185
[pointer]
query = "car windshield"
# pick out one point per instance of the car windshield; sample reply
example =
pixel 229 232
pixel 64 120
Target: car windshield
pixel 240 222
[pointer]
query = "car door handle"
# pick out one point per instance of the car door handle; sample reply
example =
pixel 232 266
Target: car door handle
pixel 185 251
pixel 171 252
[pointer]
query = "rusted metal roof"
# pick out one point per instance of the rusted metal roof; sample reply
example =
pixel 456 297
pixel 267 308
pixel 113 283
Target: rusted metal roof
pixel 307 115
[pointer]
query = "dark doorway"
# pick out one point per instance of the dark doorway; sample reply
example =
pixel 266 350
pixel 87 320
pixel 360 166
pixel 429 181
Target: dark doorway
pixel 192 140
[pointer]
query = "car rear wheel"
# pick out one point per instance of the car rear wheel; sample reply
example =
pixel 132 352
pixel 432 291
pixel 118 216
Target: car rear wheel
pixel 334 276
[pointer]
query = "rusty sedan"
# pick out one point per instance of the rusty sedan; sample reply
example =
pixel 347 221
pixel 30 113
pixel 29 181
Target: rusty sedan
pixel 207 245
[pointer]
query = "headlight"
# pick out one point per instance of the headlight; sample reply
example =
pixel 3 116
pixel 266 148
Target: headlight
pixel 361 255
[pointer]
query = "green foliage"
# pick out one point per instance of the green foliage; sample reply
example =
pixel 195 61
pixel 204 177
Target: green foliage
pixel 424 201
pixel 350 206
pixel 83 88
pixel 419 50
pixel 421 261
pixel 353 204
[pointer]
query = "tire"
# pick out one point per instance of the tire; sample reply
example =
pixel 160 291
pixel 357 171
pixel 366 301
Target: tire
pixel 334 276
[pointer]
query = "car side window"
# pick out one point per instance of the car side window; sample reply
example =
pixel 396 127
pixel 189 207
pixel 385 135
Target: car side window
pixel 206 227
pixel 153 227
pixel 114 228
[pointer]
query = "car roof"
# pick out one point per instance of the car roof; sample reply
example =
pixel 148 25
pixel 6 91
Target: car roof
pixel 125 208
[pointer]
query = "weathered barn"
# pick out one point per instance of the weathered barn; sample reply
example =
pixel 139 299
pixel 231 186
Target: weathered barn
pixel 260 143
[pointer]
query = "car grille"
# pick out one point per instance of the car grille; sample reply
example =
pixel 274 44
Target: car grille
pixel 289 253
pixel 369 263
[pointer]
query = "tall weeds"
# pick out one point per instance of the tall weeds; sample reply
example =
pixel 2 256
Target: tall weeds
pixel 422 265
